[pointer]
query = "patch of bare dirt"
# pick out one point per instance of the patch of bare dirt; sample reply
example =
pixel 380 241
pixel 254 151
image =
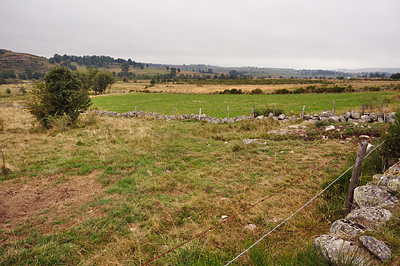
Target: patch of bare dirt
pixel 42 202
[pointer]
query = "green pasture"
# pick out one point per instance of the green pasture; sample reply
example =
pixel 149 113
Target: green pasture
pixel 216 105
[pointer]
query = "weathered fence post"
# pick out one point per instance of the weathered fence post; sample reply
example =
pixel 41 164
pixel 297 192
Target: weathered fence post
pixel 334 108
pixel 273 109
pixel 363 108
pixel 302 113
pixel 252 112
pixel 199 113
pixel 228 112
pixel 356 173
pixel 135 109
pixel 117 109
pixel 175 112
pixel 384 113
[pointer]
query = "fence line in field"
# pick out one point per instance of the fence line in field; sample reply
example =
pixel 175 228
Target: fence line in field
pixel 302 207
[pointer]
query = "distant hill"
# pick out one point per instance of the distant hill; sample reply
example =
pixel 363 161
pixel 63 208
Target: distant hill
pixel 20 62
pixel 372 70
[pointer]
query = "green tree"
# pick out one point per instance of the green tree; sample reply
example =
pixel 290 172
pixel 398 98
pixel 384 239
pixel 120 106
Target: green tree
pixel 395 76
pixel 172 74
pixel 125 68
pixel 101 81
pixel 60 95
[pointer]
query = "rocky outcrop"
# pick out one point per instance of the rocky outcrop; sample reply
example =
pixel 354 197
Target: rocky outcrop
pixel 345 241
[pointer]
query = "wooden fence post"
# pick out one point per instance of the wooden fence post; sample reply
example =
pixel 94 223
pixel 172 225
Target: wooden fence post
pixel 175 112
pixel 334 108
pixel 384 113
pixel 117 109
pixel 135 109
pixel 356 173
pixel 228 112
pixel 302 113
pixel 363 108
pixel 199 113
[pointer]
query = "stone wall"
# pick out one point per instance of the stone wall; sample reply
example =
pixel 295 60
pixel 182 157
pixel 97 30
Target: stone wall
pixel 325 115
pixel 345 241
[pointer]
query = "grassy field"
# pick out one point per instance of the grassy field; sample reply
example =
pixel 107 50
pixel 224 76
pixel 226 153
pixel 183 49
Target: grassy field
pixel 122 191
pixel 216 105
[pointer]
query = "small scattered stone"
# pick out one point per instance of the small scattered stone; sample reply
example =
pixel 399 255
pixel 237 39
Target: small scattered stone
pixel 364 137
pixel 224 217
pixel 330 128
pixel 250 227
pixel 150 173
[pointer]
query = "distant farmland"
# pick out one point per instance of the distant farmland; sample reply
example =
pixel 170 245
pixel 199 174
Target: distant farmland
pixel 216 105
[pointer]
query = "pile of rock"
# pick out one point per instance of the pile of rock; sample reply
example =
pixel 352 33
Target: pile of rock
pixel 352 116
pixel 325 115
pixel 345 242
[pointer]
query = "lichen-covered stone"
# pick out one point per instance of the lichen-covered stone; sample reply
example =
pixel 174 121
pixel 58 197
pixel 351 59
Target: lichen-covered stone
pixel 370 216
pixel 344 228
pixel 378 248
pixel 383 180
pixel 373 196
pixel 340 251
pixel 355 115
pixel 394 184
pixel 394 170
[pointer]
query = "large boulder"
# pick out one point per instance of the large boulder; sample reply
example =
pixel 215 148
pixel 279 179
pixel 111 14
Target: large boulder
pixel 373 196
pixel 378 248
pixel 370 216
pixel 347 228
pixel 347 115
pixel 340 251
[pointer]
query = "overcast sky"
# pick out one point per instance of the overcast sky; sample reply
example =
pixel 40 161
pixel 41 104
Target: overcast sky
pixel 265 33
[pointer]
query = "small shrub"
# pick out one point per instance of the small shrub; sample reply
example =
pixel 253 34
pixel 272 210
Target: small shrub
pixel 266 111
pixel 8 91
pixel 257 91
pixel 282 91
pixel 321 123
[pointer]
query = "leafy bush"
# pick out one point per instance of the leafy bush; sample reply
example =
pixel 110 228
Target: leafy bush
pixel 61 94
